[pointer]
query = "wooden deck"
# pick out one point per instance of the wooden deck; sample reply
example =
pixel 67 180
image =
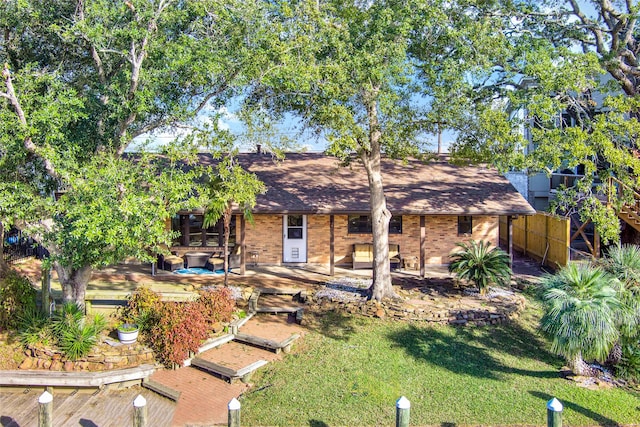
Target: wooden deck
pixel 86 407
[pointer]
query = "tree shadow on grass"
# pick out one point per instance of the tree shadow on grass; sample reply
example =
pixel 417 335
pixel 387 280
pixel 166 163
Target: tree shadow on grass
pixel 469 351
pixel 598 418
pixel 316 423
pixel 335 325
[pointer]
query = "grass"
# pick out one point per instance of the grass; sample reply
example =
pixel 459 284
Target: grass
pixel 350 371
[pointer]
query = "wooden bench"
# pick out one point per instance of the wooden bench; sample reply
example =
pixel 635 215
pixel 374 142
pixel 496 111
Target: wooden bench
pixel 362 255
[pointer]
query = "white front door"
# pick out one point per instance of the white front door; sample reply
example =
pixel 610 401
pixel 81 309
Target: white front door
pixel 295 238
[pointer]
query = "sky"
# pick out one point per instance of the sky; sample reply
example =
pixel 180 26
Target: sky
pixel 289 128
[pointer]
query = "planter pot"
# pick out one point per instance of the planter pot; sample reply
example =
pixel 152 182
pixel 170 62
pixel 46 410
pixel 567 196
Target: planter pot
pixel 128 334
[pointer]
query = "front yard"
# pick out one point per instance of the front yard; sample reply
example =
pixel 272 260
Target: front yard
pixel 351 370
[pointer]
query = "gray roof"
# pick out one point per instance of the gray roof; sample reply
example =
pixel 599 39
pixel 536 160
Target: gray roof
pixel 317 183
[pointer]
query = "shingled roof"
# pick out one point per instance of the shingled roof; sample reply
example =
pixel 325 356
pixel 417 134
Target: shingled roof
pixel 315 183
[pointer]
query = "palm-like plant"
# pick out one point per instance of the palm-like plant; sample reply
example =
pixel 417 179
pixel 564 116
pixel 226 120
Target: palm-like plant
pixel 581 314
pixel 479 263
pixel 623 262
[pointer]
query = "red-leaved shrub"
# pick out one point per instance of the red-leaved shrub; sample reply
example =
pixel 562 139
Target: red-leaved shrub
pixel 216 304
pixel 177 329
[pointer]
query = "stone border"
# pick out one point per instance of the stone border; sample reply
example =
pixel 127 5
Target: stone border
pixel 499 309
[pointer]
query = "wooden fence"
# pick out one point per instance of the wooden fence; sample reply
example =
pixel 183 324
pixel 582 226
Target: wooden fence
pixel 542 236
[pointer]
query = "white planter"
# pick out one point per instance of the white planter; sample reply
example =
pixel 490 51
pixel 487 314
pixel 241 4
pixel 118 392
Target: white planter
pixel 128 337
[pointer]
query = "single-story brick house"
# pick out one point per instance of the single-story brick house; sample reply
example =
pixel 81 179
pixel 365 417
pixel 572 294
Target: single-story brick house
pixel 315 210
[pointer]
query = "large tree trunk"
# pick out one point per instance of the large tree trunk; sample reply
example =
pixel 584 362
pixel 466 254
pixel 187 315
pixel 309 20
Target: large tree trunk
pixel 4 267
pixel 74 282
pixel 380 216
pixel 579 366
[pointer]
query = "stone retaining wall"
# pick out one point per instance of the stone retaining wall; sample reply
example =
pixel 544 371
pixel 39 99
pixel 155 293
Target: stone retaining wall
pixel 105 359
pixel 462 310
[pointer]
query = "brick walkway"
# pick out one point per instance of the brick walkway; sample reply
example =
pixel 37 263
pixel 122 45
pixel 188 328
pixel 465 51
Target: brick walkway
pixel 205 397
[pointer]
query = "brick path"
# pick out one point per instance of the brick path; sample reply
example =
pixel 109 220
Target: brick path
pixel 204 397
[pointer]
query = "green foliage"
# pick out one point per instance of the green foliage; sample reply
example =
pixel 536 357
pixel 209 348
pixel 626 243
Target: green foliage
pixel 17 297
pixel 34 328
pixel 178 329
pixel 75 335
pixel 216 305
pixel 581 311
pixel 140 308
pixel 480 264
pixel 68 329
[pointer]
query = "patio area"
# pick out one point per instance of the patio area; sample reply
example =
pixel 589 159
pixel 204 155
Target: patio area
pixel 122 279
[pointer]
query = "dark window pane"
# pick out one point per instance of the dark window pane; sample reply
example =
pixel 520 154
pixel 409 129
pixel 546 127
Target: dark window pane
pixel 465 225
pixel 294 220
pixel 361 224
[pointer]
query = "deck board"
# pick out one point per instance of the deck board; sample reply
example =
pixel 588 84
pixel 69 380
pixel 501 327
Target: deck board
pixel 105 408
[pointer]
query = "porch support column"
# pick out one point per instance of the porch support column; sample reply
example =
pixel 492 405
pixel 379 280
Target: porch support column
pixel 423 242
pixel 510 238
pixel 332 254
pixel 243 246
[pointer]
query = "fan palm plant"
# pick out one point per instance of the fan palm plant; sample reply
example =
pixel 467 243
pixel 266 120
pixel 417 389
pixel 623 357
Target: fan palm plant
pixel 581 314
pixel 480 264
pixel 623 262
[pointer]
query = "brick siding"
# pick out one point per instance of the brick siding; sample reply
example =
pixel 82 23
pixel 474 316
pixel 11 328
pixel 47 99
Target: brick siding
pixel 265 237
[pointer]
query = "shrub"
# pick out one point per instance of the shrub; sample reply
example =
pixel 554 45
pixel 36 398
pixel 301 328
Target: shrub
pixel 177 330
pixel 216 304
pixel 75 335
pixel 35 328
pixel 629 365
pixel 481 265
pixel 17 297
pixel 140 308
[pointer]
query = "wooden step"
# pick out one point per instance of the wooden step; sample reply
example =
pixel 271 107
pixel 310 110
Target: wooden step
pixel 225 372
pixel 284 345
pixel 161 389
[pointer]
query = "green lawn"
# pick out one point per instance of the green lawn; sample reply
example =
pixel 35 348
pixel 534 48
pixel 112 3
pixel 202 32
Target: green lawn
pixel 350 371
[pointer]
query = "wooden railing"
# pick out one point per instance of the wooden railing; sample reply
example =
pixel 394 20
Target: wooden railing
pixel 629 211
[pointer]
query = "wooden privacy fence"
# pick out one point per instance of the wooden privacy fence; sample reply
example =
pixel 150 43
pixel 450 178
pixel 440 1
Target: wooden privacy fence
pixel 542 236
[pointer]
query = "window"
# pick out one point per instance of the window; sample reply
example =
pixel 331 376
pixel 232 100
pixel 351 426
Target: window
pixel 465 225
pixel 361 224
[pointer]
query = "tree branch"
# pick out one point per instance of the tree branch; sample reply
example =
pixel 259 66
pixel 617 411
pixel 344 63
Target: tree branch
pixel 29 145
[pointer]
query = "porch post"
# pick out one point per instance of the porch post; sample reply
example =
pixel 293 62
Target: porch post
pixel 423 242
pixel 331 245
pixel 243 246
pixel 510 238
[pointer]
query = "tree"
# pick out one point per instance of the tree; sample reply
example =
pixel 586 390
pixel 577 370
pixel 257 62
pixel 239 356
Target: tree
pixel 575 76
pixel 581 305
pixel 481 264
pixel 229 186
pixel 81 79
pixel 348 71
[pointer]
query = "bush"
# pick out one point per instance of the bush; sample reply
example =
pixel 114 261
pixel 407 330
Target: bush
pixel 177 330
pixel 17 297
pixel 629 365
pixel 216 304
pixel 140 308
pixel 35 329
pixel 481 265
pixel 69 329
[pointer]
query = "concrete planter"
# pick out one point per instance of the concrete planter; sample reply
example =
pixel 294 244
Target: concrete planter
pixel 128 333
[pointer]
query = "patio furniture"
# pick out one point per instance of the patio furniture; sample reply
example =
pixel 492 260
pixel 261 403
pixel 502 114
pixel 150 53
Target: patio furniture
pixel 214 263
pixel 362 255
pixel 197 259
pixel 171 262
